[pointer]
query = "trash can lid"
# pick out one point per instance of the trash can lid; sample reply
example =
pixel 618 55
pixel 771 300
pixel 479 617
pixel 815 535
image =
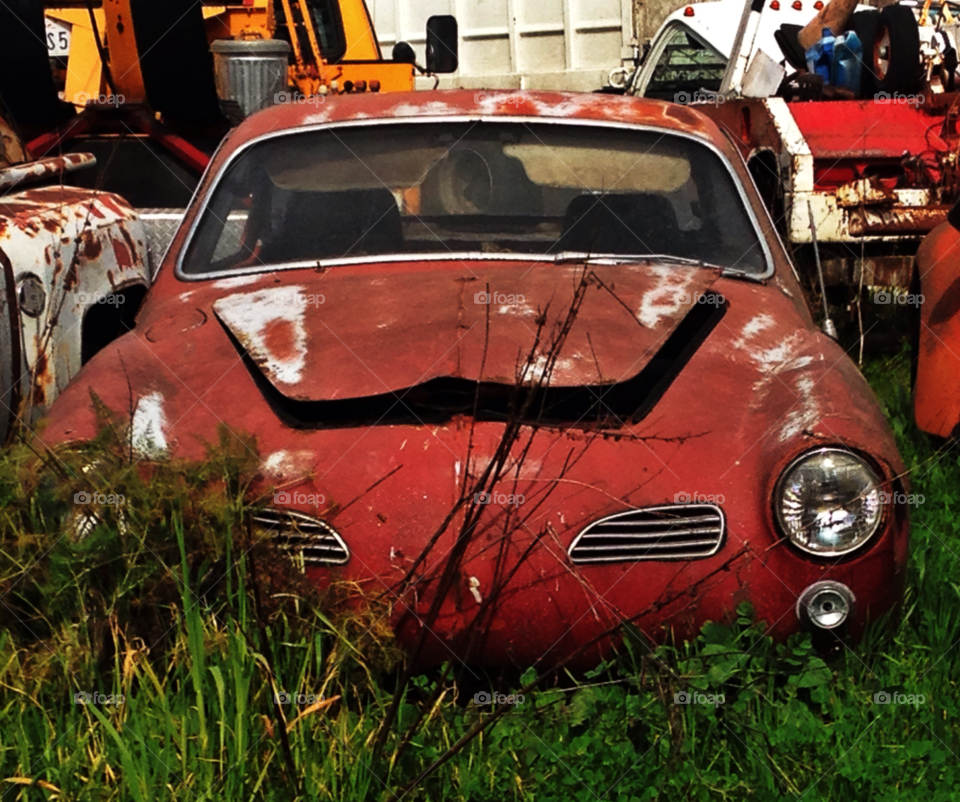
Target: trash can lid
pixel 251 47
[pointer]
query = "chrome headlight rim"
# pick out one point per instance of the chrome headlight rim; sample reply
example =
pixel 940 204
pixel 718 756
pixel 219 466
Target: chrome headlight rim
pixel 868 464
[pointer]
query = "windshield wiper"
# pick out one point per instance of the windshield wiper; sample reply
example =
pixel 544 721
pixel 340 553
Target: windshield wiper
pixel 620 258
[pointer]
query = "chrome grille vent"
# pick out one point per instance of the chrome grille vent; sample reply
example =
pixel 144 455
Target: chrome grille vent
pixel 675 532
pixel 306 538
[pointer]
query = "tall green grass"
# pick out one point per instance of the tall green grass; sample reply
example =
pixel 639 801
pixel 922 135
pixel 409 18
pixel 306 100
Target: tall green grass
pixel 169 601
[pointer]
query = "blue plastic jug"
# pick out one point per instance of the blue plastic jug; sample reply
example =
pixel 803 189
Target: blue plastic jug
pixel 820 56
pixel 847 62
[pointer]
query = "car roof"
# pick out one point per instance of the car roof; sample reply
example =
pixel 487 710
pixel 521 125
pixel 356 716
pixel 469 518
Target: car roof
pixel 487 104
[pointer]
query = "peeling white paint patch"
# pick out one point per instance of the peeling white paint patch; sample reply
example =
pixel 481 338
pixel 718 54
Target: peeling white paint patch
pixel 320 117
pixel 236 281
pixel 517 310
pixel 435 108
pixel 253 316
pixel 755 325
pixel 781 357
pixel 777 359
pixel 667 298
pixel 475 589
pixel 149 421
pixel 288 464
pixel 808 414
pixel 535 371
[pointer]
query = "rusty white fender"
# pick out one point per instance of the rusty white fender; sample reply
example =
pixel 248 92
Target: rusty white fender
pixel 73 268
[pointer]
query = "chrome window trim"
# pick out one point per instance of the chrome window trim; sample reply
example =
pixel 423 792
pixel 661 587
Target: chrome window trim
pixel 193 199
pixel 452 256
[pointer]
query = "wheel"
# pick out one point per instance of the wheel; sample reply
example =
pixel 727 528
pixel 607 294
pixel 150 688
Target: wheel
pixel 896 51
pixel 865 24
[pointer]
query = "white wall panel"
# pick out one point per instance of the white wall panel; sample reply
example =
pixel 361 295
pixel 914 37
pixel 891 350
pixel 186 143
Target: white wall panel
pixel 556 44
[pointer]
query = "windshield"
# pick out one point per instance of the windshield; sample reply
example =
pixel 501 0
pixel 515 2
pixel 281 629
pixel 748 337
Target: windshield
pixel 454 188
pixel 686 66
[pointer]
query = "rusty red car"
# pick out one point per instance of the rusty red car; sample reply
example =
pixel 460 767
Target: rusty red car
pixel 528 366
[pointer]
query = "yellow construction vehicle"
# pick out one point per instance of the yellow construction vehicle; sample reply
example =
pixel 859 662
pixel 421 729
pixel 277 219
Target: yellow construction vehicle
pixel 125 51
pixel 151 87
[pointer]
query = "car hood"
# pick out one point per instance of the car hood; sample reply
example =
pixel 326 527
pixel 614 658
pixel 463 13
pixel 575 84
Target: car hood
pixel 358 336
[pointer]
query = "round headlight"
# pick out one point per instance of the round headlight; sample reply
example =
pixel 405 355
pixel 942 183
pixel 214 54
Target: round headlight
pixel 829 502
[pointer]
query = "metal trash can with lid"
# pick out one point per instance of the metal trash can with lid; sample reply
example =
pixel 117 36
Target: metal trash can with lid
pixel 251 72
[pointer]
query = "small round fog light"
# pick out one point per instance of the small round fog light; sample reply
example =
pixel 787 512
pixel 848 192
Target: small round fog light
pixel 825 605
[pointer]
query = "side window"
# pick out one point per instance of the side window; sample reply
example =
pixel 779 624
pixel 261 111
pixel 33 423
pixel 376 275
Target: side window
pixel 686 64
pixel 326 21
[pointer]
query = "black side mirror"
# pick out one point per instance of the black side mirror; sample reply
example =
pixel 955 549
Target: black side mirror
pixel 403 53
pixel 443 45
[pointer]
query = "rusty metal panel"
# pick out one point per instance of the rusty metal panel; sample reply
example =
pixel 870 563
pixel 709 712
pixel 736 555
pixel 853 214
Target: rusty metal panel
pixel 895 221
pixel 32 172
pixel 837 129
pixel 874 271
pixel 70 249
pixel 284 334
pixel 864 192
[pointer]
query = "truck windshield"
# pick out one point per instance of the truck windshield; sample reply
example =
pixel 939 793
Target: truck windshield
pixel 472 188
pixel 685 67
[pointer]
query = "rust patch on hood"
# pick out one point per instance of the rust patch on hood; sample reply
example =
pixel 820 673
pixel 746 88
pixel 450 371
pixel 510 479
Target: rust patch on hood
pixel 478 325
